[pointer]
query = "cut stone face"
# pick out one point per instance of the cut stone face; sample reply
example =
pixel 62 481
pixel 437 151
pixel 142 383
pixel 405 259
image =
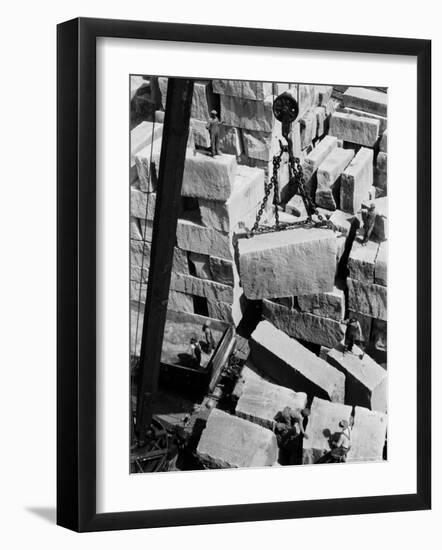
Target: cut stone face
pixel 178 301
pixel 329 172
pixel 261 400
pixel 296 207
pixel 200 264
pixel 222 270
pixel 290 364
pixel 354 129
pixel 361 261
pixel 259 145
pixel 308 127
pixel 326 304
pixel 356 112
pixel 367 436
pixel 365 99
pixel 307 97
pixel 201 135
pixel 365 380
pixel 322 428
pixel 288 263
pixel 142 204
pixel 242 88
pixel 147 163
pixel 202 101
pixel 304 326
pixel 248 114
pixel 230 140
pixel 380 269
pixel 231 442
pixel 230 313
pixel 207 177
pixel 205 288
pixel 368 299
pixel 143 135
pixel 356 181
pixel 197 238
pixel 241 206
pixel 318 155
pixel 342 221
pixel 140 256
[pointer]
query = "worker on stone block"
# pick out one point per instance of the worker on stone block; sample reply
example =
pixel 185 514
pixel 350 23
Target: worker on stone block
pixel 195 351
pixel 340 443
pixel 209 343
pixel 288 426
pixel 353 334
pixel 213 127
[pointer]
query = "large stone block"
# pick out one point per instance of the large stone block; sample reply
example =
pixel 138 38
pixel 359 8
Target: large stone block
pixel 380 268
pixel 248 114
pixel 289 363
pixel 288 263
pixel 354 129
pixel 326 304
pixel 188 284
pixel 200 134
pixel 223 271
pixel 231 442
pixel 342 221
pixel 356 181
pixel 142 204
pixel 322 428
pixel 142 136
pixel 209 178
pixel 260 400
pixel 178 301
pixel 313 160
pixel 368 299
pixel 230 313
pixel 230 141
pixel 362 260
pixel 368 436
pixel 303 325
pixel 364 99
pixel 328 177
pixel 194 237
pixel 242 205
pixel 365 380
pixel 355 112
pixel 307 97
pixel 243 89
pixel 259 145
pixel 140 256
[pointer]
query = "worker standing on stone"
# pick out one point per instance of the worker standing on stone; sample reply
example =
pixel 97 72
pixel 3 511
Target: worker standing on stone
pixel 353 334
pixel 208 336
pixel 289 425
pixel 368 219
pixel 340 445
pixel 213 127
pixel 195 349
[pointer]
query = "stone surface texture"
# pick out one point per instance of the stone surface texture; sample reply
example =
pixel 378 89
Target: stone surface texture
pixel 356 181
pixel 367 436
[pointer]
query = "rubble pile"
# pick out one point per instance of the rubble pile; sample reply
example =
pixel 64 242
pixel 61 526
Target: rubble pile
pixel 305 282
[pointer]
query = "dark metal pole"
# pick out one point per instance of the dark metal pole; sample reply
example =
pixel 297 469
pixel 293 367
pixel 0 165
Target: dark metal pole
pixel 173 154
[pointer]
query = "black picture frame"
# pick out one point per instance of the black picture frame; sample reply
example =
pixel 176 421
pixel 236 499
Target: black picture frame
pixel 76 274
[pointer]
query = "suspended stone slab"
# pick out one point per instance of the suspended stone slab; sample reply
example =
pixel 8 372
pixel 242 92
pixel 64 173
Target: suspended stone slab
pixel 322 428
pixel 364 99
pixel 288 263
pixel 365 380
pixel 290 364
pixel 367 436
pixel 260 400
pixel 231 442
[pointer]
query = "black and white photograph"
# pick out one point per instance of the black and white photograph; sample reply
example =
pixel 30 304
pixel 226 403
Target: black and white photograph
pixel 274 351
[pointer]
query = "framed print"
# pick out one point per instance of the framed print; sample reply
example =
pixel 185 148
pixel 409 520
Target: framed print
pixel 234 207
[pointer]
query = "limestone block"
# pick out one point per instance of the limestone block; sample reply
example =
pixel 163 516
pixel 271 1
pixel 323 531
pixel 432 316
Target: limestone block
pixel 380 171
pixel 202 100
pixel 356 181
pixel 200 264
pixel 230 313
pixel 188 284
pixel 142 136
pixel 260 400
pixel 140 256
pixel 322 427
pixel 231 442
pixel 328 177
pixel 259 145
pixel 209 178
pixel 147 163
pixel 382 120
pixel 279 264
pixel 380 230
pixel 142 204
pixel 223 271
pixel 289 363
pixel 308 127
pixel 320 121
pixel 248 114
pixel 307 97
pixel 342 221
pixel 324 94
pixel 135 230
pixel 365 380
pixel 201 136
pixel 383 142
pixel 242 88
pixel 303 325
pixel 194 237
pixel 327 304
pixel 146 227
pixel 178 301
pixel 368 299
pixel 365 99
pixel 138 293
pixel 241 206
pixel 367 436
pixel 230 141
pixel 361 261
pixel 314 159
pixel 380 268
pixel 354 129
